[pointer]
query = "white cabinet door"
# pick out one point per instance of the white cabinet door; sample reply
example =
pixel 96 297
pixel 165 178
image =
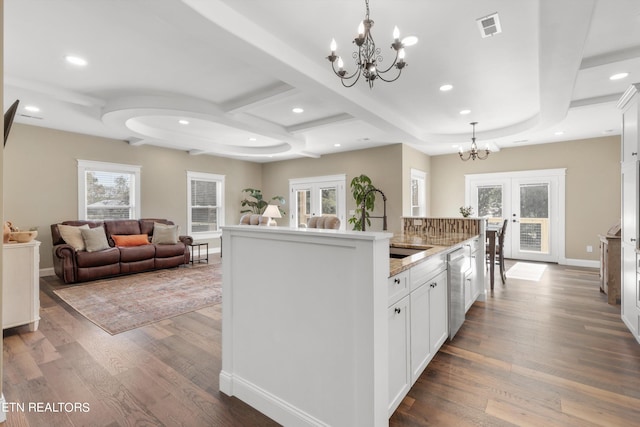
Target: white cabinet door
pixel 630 132
pixel 21 285
pixel 628 291
pixel 438 314
pixel 399 356
pixel 420 339
pixel 630 203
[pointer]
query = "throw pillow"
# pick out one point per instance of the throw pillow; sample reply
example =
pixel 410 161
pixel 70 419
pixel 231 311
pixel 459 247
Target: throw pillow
pixel 164 234
pixel 130 239
pixel 72 235
pixel 95 239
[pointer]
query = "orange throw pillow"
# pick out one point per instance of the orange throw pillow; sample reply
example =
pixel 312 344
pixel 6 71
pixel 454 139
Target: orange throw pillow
pixel 131 239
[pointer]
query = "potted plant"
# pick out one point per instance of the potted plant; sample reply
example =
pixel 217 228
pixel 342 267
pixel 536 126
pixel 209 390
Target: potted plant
pixel 466 211
pixel 255 203
pixel 361 185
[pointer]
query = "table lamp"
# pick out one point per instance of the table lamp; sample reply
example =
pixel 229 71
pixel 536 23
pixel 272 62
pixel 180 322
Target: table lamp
pixel 271 212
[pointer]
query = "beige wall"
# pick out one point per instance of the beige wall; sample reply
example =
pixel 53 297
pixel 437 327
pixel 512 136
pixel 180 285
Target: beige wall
pixel 414 159
pixel 592 184
pixel 383 165
pixel 40 174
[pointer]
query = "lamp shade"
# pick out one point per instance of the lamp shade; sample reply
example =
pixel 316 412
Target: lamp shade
pixel 272 211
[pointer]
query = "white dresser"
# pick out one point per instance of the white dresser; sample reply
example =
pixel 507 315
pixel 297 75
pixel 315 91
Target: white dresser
pixel 20 285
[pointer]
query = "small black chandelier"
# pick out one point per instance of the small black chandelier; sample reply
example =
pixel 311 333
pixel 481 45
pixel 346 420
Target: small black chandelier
pixel 368 56
pixel 474 153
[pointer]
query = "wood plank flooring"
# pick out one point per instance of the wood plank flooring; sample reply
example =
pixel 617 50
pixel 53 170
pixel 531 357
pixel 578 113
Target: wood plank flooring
pixel 548 353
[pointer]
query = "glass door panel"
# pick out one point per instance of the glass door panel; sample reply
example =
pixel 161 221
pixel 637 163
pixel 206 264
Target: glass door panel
pixel 534 218
pixel 490 204
pixel 303 205
pixel 328 200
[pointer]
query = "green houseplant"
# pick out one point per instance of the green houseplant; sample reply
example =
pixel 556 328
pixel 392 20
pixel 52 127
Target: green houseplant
pixel 255 203
pixel 360 185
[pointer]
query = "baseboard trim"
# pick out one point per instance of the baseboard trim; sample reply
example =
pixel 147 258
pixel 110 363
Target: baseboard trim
pixel 47 272
pixel 265 402
pixel 580 263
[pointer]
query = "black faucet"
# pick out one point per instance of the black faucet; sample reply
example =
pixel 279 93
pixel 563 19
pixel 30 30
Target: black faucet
pixel 384 216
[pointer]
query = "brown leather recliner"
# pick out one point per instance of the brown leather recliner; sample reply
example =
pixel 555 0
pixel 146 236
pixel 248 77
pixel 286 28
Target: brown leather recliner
pixel 74 266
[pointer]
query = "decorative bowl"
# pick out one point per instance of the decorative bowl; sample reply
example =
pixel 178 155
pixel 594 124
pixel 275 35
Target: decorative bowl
pixel 23 236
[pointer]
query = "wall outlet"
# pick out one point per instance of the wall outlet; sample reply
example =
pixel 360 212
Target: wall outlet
pixel 589 248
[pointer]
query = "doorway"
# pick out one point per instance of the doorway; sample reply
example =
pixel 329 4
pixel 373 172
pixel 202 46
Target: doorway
pixel 313 196
pixel 531 201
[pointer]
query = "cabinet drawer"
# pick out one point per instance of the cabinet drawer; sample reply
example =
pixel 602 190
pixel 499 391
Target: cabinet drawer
pixel 398 286
pixel 426 270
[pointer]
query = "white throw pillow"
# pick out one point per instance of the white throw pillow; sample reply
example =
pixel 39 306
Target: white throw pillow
pixel 72 235
pixel 95 239
pixel 164 234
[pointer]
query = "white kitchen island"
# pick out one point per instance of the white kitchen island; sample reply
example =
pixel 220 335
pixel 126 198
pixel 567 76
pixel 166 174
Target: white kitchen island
pixel 305 329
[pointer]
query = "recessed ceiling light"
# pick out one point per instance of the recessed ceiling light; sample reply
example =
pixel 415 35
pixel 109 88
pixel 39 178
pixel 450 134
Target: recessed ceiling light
pixel 183 122
pixel 32 108
pixel 336 145
pixel 560 132
pixel 297 110
pixel 253 139
pixel 446 87
pixel 463 112
pixel 608 131
pixel 618 76
pixel 76 60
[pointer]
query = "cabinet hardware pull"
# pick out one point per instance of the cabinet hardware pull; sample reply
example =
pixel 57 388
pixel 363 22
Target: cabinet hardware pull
pixel 634 154
pixel 633 240
pixel 398 310
pixel 396 280
pixel 434 284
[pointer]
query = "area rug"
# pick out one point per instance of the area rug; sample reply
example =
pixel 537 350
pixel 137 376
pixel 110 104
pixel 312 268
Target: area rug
pixel 128 302
pixel 526 271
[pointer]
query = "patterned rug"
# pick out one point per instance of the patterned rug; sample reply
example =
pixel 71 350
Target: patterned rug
pixel 128 302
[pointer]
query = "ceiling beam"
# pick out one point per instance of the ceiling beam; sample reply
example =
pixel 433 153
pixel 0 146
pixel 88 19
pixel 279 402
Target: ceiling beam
pixel 259 97
pixel 324 121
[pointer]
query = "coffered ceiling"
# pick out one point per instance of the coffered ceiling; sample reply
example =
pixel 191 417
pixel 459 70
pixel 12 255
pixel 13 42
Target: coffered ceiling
pixel 235 70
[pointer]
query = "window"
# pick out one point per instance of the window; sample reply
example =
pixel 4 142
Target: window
pixel 108 191
pixel 418 193
pixel 205 212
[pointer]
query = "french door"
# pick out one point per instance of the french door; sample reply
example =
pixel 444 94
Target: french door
pixel 533 204
pixel 324 195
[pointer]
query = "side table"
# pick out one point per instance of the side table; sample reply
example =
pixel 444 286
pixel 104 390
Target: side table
pixel 198 246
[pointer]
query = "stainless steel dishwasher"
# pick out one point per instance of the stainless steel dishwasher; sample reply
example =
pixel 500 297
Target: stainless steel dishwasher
pixel 457 268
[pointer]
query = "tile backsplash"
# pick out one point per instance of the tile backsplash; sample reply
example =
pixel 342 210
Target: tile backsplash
pixel 438 226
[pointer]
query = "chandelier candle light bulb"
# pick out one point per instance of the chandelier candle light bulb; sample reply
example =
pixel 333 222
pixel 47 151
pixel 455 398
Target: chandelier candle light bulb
pixel 368 57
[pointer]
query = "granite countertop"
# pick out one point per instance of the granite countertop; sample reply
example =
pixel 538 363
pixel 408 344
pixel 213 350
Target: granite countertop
pixel 432 245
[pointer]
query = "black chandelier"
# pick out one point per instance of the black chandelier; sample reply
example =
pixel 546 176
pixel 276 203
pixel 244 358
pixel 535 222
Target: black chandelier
pixel 474 153
pixel 368 56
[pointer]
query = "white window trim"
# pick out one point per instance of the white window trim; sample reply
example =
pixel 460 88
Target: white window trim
pixel 203 176
pixel 422 195
pixel 90 165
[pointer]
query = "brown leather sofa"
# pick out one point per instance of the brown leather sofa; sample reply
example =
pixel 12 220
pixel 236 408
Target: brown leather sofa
pixel 72 265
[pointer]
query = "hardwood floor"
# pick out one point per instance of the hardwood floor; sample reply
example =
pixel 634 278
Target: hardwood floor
pixel 550 353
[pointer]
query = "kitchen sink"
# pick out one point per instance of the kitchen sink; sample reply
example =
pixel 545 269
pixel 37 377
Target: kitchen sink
pixel 395 252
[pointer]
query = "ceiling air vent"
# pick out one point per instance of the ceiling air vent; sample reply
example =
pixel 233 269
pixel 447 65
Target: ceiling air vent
pixel 489 25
